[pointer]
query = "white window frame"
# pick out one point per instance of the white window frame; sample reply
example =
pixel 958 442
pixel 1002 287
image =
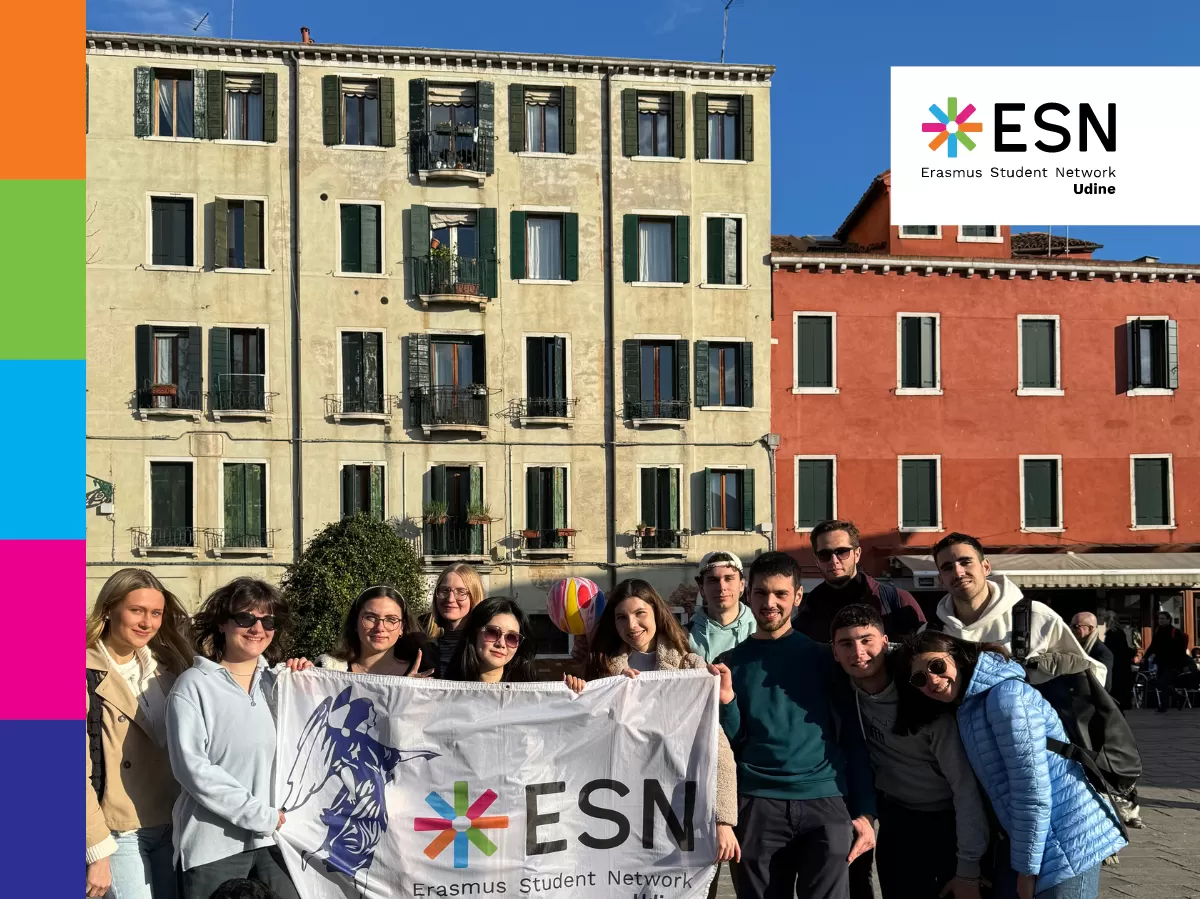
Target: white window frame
pixel 341 144
pixel 660 91
pixel 935 236
pixel 1147 391
pixel 1021 460
pixel 742 250
pixel 546 212
pixel 154 70
pixel 741 361
pixel 1057 389
pixel 796 487
pixel 337 233
pixel 936 390
pixel 998 238
pixel 833 388
pixel 566 487
pixel 266 265
pixel 338 351
pixel 266 463
pixel 266 351
pixel 243 70
pixel 197 231
pixel 197 547
pixel 567 360
pixel 684 506
pixel 1171 523
pixel 740 468
pixel 342 463
pixel 900 460
pixel 671 214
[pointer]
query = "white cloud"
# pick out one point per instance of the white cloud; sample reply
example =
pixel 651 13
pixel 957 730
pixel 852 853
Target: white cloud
pixel 679 9
pixel 159 16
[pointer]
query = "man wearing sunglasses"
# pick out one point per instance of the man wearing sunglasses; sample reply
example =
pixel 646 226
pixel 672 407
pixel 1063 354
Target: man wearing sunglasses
pixel 835 544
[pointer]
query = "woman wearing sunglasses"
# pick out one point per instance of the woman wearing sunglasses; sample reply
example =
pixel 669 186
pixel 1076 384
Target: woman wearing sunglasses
pixel 457 592
pixel 1058 829
pixel 496 645
pixel 221 738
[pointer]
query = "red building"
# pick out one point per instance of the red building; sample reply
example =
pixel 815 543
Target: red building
pixel 937 378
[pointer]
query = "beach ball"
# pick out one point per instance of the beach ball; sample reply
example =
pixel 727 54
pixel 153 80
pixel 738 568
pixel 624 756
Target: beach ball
pixel 574 605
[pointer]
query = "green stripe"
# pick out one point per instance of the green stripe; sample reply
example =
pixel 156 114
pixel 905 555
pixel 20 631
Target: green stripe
pixel 42 258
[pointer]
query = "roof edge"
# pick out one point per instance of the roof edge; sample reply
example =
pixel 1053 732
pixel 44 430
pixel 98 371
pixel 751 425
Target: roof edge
pixel 1045 264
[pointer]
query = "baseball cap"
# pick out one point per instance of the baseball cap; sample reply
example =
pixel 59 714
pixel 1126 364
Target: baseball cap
pixel 719 557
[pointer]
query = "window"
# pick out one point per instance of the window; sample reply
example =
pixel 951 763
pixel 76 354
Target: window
pixel 237 369
pixel 360 112
pixel 171 231
pixel 551 642
pixel 1153 492
pixel 545 246
pixel 168 364
pixel 724 374
pixel 815 361
pixel 652 123
pixel 456 494
pixel 361 238
pixel 920 493
pixel 816 491
pixel 723 248
pixel 920 356
pixel 1040 371
pixel 1041 493
pixel 243 107
pixel 174 103
pixel 355 111
pixel 546 377
pixel 729 499
pixel 362 372
pixel 457 361
pixel 453 118
pixel 171 504
pixel 1153 357
pixel 363 489
pixel 447 375
pixel 656 379
pixel 979 234
pixel 245 502
pixel 660 507
pixel 546 507
pixel 925 231
pixel 543 120
pixel 656 249
pixel 453 252
pixel 238 234
pixel 724 127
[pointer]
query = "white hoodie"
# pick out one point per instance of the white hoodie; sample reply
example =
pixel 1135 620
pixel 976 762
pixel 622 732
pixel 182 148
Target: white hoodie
pixel 1047 631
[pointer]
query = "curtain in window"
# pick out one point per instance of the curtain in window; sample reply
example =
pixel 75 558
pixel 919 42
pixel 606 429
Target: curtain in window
pixel 235 115
pixel 655 262
pixel 533 126
pixel 166 107
pixel 543 244
pixel 184 99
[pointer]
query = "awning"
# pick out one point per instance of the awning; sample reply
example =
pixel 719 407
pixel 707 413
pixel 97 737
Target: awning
pixel 1055 570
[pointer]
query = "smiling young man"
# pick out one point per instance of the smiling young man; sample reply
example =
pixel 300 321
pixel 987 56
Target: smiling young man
pixel 932 826
pixel 835 544
pixel 805 799
pixel 722 620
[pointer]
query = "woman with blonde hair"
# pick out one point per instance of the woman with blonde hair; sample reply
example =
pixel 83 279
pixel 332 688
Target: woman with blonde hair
pixel 458 591
pixel 138 642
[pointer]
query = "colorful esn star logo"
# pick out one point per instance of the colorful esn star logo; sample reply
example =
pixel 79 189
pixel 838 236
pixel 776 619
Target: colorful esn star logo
pixel 461 823
pixel 950 126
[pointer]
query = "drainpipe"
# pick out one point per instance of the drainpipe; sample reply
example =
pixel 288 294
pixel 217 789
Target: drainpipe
pixel 294 203
pixel 511 594
pixel 610 407
pixel 771 442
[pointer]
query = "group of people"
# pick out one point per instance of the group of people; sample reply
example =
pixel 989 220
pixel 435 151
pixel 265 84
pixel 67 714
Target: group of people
pixel 842 713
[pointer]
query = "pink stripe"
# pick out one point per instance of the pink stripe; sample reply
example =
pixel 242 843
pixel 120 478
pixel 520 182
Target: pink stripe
pixel 480 805
pixel 965 114
pixel 933 126
pixel 42 581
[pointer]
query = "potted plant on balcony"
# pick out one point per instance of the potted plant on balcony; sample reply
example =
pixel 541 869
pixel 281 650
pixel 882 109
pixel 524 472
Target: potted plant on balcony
pixel 645 530
pixel 479 389
pixel 164 390
pixel 443 127
pixel 444 268
pixel 566 532
pixel 434 512
pixel 478 513
pixel 531 533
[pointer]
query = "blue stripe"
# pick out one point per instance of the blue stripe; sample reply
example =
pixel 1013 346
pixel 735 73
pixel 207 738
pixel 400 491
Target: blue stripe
pixel 460 850
pixel 42 406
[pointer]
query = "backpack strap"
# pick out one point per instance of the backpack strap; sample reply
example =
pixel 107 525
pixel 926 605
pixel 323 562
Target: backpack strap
pixel 889 598
pixel 1095 776
pixel 95 721
pixel 1022 627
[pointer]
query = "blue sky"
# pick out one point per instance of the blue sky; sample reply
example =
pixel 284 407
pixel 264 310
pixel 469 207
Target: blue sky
pixel 829 104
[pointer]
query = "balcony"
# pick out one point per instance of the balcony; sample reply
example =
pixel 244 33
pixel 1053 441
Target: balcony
pixel 660 542
pixel 452 541
pixel 451 153
pixel 540 410
pixel 360 407
pixel 548 542
pixel 240 396
pixel 457 409
pixel 658 412
pixel 167 401
pixel 449 279
pixel 221 542
pixel 169 541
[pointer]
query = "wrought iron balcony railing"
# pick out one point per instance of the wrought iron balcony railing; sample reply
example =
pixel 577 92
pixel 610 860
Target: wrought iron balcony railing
pixel 151 538
pixel 450 149
pixel 547 407
pixel 348 405
pixel 658 409
pixel 548 541
pixel 438 407
pixel 456 539
pixel 460 276
pixel 661 540
pixel 221 539
pixel 151 396
pixel 240 393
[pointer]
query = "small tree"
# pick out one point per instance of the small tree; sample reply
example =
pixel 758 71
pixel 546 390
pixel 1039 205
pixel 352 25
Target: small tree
pixel 337 564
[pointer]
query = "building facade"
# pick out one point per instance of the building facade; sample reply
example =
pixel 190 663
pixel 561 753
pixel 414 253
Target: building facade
pixel 930 379
pixel 507 302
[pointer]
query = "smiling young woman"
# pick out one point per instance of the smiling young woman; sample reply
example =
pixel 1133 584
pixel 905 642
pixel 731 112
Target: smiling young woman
pixel 457 592
pixel 497 645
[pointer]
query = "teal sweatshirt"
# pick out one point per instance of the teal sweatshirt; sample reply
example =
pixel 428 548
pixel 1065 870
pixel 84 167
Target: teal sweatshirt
pixel 710 638
pixel 793 725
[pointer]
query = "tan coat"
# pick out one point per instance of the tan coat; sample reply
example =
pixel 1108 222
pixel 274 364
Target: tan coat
pixel 139 789
pixel 670 660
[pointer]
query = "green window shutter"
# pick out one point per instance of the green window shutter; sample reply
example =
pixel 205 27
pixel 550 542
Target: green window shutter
pixel 254 233
pixel 918 351
pixel 418 231
pixel 1151 492
pixel 476 498
pixel 516 235
pixel 331 109
pixel 370 253
pixel 351 238
pixel 747 128
pixel 1133 356
pixel 629 126
pixel 673 497
pixel 1172 354
pixel 216 104
pixel 486 223
pixel 255 493
pixel 219 360
pixel 191 372
pixel 715 239
pixel 372 369
pixel 376 509
pixel 171 500
pixel 1037 353
pixel 485 100
pixel 649 513
pixel 678 124
pixel 533 498
pixel 701 367
pixel 143 80
pixel 387 112
pixel 919 478
pixel 568 120
pixel 516 118
pixel 747 485
pixel 747 361
pixel 558 509
pixel 700 124
pixel 143 362
pixel 683 378
pixel 682 256
pixel 352 365
pixel 814 491
pixel 418 119
pixel 708 499
pixel 632 364
pixel 629 247
pixel 570 246
pixel 200 104
pixel 437 483
pixel 270 84
pixel 558 350
pixel 183 240
pixel 929 351
pixel 418 362
pixel 1041 493
pixel 348 492
pixel 221 233
pixel 235 503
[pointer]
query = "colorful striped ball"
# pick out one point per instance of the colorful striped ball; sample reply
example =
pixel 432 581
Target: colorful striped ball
pixel 574 605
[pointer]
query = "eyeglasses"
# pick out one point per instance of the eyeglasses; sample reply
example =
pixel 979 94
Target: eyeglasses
pixel 389 622
pixel 459 593
pixel 493 634
pixel 247 621
pixel 920 678
pixel 824 555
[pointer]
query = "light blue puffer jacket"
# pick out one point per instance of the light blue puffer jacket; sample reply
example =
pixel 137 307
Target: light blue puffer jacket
pixel 1057 824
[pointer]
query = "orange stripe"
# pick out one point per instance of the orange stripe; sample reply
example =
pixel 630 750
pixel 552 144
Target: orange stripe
pixel 490 822
pixel 971 126
pixel 440 842
pixel 941 138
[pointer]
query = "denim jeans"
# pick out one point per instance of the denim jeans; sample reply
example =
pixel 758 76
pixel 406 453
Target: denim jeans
pixel 141 867
pixel 1081 886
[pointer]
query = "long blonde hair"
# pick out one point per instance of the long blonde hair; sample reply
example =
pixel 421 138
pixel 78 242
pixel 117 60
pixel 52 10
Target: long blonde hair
pixel 172 646
pixel 433 622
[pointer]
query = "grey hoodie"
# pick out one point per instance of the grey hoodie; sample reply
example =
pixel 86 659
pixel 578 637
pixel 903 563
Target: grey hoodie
pixel 710 638
pixel 927 771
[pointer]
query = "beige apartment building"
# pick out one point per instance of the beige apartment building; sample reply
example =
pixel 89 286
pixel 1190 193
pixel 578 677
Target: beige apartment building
pixel 516 304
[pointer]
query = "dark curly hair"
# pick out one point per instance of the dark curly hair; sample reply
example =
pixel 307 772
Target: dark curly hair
pixel 243 594
pixel 464 664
